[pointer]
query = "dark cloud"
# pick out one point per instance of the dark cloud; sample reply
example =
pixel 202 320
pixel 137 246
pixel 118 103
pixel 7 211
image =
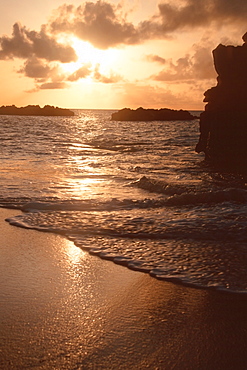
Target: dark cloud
pixel 103 25
pixel 25 44
pixel 38 69
pixel 113 78
pixel 195 66
pixel 82 72
pixel 193 13
pixel 45 74
pixel 100 23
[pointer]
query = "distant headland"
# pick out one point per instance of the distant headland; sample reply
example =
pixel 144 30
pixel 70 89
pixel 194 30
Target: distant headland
pixel 141 114
pixel 35 110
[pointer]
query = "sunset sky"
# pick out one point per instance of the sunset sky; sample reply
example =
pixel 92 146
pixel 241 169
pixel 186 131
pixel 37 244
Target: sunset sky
pixel 114 53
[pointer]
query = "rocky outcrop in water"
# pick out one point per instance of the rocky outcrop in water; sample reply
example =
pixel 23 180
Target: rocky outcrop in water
pixel 223 124
pixel 35 110
pixel 142 114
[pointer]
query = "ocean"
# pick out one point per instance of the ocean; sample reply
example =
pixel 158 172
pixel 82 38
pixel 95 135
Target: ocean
pixel 135 193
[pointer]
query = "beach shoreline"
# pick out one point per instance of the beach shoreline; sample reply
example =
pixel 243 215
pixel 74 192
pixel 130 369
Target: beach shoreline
pixel 63 308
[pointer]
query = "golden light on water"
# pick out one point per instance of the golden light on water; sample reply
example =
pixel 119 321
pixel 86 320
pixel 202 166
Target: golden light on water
pixel 88 178
pixel 87 185
pixel 73 253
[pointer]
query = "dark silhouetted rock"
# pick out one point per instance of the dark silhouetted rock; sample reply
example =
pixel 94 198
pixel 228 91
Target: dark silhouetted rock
pixel 35 110
pixel 223 124
pixel 142 114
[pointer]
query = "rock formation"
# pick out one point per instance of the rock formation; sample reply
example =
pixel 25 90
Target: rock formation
pixel 223 124
pixel 35 110
pixel 142 114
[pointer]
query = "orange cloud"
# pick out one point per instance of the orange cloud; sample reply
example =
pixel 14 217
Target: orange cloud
pixel 82 72
pixel 195 66
pixel 156 58
pixel 113 78
pixel 53 85
pixel 103 25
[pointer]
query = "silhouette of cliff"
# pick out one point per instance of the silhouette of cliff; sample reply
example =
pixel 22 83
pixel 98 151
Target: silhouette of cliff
pixel 223 124
pixel 35 110
pixel 142 114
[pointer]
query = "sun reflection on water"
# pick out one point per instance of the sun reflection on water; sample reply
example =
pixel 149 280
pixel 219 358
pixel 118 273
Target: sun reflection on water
pixel 73 253
pixel 85 188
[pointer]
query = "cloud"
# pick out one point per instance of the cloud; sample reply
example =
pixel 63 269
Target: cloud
pixel 99 23
pixel 103 24
pixel 113 78
pixel 39 69
pixel 86 70
pixel 25 44
pixel 53 85
pixel 191 14
pixel 50 76
pixel 46 75
pixel 195 66
pixel 156 58
pixel 151 96
pixel 82 72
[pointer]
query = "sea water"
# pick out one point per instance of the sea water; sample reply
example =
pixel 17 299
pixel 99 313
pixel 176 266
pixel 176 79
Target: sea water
pixel 135 193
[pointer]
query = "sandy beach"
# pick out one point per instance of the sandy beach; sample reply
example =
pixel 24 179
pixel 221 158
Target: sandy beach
pixel 62 308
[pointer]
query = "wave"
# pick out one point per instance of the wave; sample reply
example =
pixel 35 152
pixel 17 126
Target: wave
pixel 118 146
pixel 158 186
pixel 171 196
pixel 195 248
pixel 208 197
pixel 181 195
pixel 195 263
pixel 142 224
pixel 91 205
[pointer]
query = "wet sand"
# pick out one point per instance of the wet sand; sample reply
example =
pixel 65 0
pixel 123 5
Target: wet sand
pixel 61 308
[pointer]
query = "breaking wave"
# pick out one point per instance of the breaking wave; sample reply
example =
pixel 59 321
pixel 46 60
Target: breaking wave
pixel 181 195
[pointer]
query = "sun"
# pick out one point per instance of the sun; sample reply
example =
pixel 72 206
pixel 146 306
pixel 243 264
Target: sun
pixel 88 55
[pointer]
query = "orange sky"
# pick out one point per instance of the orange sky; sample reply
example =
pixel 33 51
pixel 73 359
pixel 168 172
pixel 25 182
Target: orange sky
pixel 114 54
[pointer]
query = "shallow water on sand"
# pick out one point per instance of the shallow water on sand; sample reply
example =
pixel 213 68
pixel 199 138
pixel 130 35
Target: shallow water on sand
pixel 64 309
